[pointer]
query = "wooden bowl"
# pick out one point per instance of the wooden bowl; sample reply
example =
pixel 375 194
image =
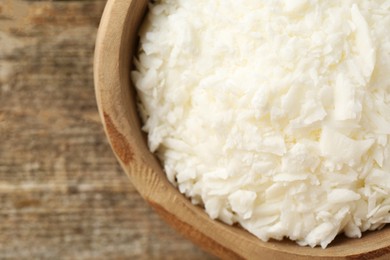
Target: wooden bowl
pixel 116 44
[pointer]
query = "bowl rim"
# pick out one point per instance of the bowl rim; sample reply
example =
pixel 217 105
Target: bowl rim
pixel 115 95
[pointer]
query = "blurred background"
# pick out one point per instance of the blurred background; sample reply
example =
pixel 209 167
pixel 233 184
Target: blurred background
pixel 62 193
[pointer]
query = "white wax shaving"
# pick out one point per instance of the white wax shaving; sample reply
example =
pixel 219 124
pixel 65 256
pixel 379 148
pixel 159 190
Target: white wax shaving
pixel 272 114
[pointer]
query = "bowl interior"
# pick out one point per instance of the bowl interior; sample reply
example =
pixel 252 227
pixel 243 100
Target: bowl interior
pixel 115 47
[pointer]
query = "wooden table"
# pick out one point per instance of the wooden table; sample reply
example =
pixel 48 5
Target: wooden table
pixel 62 193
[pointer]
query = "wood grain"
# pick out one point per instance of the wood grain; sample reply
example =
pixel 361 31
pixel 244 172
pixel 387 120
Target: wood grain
pixel 62 193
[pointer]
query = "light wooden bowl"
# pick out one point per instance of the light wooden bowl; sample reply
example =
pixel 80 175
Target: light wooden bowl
pixel 116 43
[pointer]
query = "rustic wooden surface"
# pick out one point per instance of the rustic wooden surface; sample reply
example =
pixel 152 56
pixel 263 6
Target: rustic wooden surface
pixel 62 192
